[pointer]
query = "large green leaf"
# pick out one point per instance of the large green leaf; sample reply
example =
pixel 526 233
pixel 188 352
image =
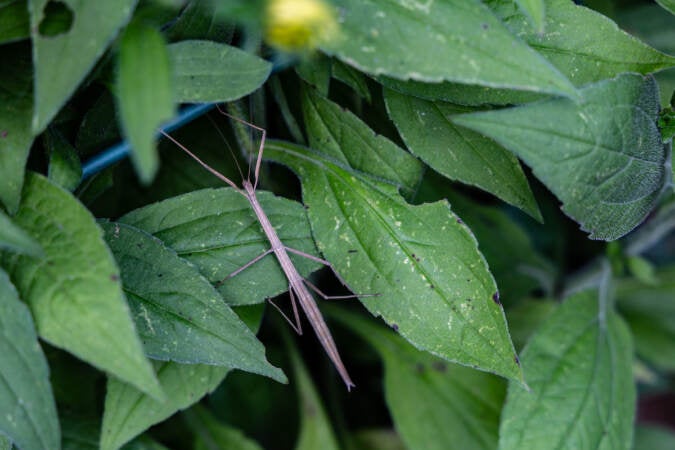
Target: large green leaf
pixel 179 315
pixel 423 392
pixel 458 153
pixel 579 369
pixel 14 20
pixel 667 4
pixel 16 108
pixel 206 71
pixel 29 415
pixel 63 60
pixel 144 93
pixel 650 313
pixel 435 286
pixel 603 157
pixel 128 411
pixel 74 291
pixel 217 231
pixel 14 239
pixel 455 40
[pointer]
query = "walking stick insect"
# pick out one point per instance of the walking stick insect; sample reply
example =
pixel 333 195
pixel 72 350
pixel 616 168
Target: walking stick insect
pixel 297 285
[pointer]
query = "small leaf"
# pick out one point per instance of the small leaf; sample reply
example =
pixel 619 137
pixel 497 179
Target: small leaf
pixel 315 427
pixel 316 72
pixel 14 239
pixel 128 411
pixel 418 385
pixel 332 129
pixel 650 313
pixel 16 108
pixel 435 286
pixel 14 21
pixel 352 78
pixel 92 26
pixel 458 153
pixel 79 433
pixel 29 416
pixel 206 71
pixel 199 21
pixel 212 434
pixel 217 231
pixel 579 368
pixel 455 40
pixel 603 157
pixel 179 315
pixel 74 291
pixel 144 93
pixel 64 164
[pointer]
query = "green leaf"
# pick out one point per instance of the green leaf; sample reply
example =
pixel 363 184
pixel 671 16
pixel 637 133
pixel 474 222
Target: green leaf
pixel 435 286
pixel 14 21
pixel 211 434
pixel 525 317
pixel 80 433
pixel 650 437
pixel 144 93
pixel 423 391
pixel 458 153
pixel 579 368
pixel 94 25
pixel 128 411
pixel 535 10
pixel 16 108
pixel 668 5
pixel 199 21
pixel 64 164
pixel 583 44
pixel 377 439
pixel 5 443
pixel 341 135
pixel 29 416
pixel 316 72
pixel 315 426
pixel 650 313
pixel 206 71
pixel 217 231
pixel 74 292
pixel 14 239
pixel 179 315
pixel 603 157
pixel 455 40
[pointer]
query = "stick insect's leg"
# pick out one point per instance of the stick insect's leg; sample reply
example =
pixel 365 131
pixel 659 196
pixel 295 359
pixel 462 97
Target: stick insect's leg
pixel 297 326
pixel 333 297
pixel 245 266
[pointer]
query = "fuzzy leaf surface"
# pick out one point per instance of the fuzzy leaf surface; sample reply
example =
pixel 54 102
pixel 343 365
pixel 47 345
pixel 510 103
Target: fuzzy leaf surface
pixel 14 239
pixel 74 291
pixel 603 157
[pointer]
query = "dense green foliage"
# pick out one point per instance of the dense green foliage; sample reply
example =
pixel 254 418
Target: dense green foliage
pixel 498 172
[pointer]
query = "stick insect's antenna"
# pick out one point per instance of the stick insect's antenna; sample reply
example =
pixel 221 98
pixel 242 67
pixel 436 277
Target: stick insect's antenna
pixel 260 148
pixel 227 144
pixel 219 175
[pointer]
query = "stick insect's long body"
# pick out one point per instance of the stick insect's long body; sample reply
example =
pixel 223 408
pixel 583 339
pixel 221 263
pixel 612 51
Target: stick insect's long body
pixel 296 284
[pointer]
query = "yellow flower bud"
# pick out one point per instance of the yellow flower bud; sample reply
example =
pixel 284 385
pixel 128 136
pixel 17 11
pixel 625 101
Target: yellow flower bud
pixel 299 25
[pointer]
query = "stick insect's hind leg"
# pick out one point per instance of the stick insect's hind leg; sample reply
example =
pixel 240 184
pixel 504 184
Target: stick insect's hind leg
pixel 329 265
pixel 297 326
pixel 245 266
